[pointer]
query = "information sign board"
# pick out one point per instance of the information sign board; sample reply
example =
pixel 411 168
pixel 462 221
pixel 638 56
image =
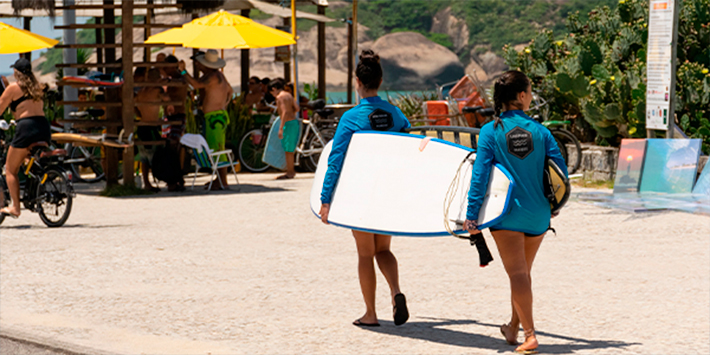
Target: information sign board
pixel 660 64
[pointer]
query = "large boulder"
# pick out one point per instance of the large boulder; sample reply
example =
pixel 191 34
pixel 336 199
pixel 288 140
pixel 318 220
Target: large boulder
pixel 412 62
pixel 457 30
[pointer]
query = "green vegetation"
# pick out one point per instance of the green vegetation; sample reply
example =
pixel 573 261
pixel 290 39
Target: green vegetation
pixel 598 71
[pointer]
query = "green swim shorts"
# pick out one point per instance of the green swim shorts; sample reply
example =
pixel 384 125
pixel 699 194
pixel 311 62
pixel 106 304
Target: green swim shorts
pixel 292 131
pixel 215 130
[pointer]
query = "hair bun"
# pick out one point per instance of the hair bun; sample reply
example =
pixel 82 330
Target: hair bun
pixel 369 56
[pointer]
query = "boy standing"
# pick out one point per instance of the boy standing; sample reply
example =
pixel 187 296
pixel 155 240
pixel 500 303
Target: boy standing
pixel 289 129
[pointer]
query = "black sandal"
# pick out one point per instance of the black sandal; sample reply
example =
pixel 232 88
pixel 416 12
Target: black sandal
pixel 400 312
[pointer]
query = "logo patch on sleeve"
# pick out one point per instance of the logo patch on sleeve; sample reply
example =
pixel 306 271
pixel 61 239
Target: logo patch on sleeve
pixel 381 120
pixel 520 142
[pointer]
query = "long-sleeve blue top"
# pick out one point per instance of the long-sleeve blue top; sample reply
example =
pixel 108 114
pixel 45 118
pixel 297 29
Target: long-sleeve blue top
pixel 519 144
pixel 359 118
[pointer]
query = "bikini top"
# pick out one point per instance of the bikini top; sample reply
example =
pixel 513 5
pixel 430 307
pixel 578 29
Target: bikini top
pixel 15 103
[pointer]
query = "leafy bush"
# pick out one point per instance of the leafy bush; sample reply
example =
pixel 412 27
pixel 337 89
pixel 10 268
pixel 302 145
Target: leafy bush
pixel 411 104
pixel 598 71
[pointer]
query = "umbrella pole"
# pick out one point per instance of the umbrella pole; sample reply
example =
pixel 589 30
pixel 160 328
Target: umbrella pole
pixel 357 95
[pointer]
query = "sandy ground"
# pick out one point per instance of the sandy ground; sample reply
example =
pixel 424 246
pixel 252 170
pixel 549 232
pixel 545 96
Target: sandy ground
pixel 254 272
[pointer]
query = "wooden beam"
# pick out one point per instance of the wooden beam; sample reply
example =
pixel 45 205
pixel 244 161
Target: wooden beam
pixel 27 27
pixel 146 32
pixel 127 110
pixel 116 65
pixel 113 114
pixel 99 40
pixel 245 61
pixel 105 26
pixel 115 45
pixel 287 65
pixel 116 7
pixel 89 103
pixel 321 55
pixel 350 61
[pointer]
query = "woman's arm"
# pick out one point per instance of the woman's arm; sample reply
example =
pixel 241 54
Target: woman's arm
pixel 553 151
pixel 481 171
pixel 341 140
pixel 6 97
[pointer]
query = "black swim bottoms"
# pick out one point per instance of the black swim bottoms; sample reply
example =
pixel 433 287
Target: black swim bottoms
pixel 31 130
pixel 526 234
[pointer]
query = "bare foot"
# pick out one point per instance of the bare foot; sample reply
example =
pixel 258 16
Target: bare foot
pixel 11 211
pixel 510 334
pixel 285 177
pixel 369 319
pixel 530 344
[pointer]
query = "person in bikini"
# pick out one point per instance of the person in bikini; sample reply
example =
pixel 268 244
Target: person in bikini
pixel 290 128
pixel 25 99
pixel 521 145
pixel 218 93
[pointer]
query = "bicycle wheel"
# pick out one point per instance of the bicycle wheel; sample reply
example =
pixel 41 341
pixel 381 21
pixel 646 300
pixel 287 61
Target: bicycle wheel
pixel 310 163
pixel 251 150
pixel 85 164
pixel 54 197
pixel 573 154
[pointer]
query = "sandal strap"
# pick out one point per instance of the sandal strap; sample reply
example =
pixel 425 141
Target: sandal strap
pixel 529 332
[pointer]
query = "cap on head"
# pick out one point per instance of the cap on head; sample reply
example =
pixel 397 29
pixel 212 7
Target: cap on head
pixel 23 66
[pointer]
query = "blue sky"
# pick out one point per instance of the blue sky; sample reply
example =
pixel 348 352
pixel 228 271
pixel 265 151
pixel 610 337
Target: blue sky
pixel 39 25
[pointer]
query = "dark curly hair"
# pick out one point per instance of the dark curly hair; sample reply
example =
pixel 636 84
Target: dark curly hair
pixel 506 90
pixel 369 70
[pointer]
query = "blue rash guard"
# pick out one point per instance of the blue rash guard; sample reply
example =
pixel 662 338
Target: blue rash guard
pixel 359 118
pixel 520 144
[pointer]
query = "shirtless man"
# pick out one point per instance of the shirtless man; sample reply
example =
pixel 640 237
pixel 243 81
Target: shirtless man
pixel 255 93
pixel 290 127
pixel 175 113
pixel 148 113
pixel 218 92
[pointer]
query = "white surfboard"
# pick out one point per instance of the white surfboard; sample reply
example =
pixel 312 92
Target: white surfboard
pixel 396 183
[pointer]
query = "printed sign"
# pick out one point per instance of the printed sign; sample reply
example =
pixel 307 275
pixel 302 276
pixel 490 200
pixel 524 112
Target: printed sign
pixel 381 120
pixel 659 67
pixel 283 53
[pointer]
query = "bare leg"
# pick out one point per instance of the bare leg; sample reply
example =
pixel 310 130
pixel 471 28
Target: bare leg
pixel 511 246
pixel 15 157
pixel 145 173
pixel 366 250
pixel 223 176
pixel 387 262
pixel 510 330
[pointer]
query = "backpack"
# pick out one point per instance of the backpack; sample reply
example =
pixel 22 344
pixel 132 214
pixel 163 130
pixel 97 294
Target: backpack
pixel 166 164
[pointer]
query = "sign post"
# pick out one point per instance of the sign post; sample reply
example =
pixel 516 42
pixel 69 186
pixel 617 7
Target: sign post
pixel 661 66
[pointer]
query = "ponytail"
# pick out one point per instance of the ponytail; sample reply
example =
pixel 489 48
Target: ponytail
pixel 506 89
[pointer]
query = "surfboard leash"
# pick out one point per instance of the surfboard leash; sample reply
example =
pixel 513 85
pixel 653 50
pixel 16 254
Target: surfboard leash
pixel 477 239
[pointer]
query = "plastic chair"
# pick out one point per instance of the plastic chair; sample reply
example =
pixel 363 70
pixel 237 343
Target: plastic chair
pixel 207 158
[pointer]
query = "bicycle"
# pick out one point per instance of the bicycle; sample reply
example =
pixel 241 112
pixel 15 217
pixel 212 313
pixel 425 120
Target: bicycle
pixel 253 144
pixel 46 188
pixel 319 131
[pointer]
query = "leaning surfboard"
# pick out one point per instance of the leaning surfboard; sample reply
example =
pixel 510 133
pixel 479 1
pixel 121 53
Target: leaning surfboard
pixel 397 184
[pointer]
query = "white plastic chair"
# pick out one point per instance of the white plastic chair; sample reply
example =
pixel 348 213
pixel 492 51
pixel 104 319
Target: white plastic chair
pixel 206 158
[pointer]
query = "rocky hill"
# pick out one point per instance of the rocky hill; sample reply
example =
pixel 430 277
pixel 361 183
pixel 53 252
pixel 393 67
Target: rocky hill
pixel 422 43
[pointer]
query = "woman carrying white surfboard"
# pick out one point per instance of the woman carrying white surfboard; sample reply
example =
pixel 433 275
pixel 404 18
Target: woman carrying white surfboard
pixel 521 145
pixel 371 114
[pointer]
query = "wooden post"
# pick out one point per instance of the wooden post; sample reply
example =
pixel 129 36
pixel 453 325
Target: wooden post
pixel 128 107
pixel 287 65
pixel 113 114
pixel 99 40
pixel 321 55
pixel 195 74
pixel 245 61
pixel 350 61
pixel 109 33
pixel 27 27
pixel 146 32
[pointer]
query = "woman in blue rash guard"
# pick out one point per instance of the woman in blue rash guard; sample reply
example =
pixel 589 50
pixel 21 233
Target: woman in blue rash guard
pixel 371 114
pixel 520 144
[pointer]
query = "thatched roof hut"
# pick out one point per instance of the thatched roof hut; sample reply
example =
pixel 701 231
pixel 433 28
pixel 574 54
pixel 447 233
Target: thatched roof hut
pixel 47 5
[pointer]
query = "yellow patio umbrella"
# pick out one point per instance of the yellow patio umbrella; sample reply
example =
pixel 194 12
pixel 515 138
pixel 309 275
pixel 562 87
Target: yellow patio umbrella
pixel 222 30
pixel 15 40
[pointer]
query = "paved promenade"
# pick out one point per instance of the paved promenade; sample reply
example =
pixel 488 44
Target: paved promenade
pixel 255 273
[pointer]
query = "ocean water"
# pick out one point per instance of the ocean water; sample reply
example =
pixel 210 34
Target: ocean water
pixel 337 97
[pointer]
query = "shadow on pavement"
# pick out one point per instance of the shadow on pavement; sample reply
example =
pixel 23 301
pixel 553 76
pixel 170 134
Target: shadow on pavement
pixel 199 190
pixel 432 331
pixel 86 226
